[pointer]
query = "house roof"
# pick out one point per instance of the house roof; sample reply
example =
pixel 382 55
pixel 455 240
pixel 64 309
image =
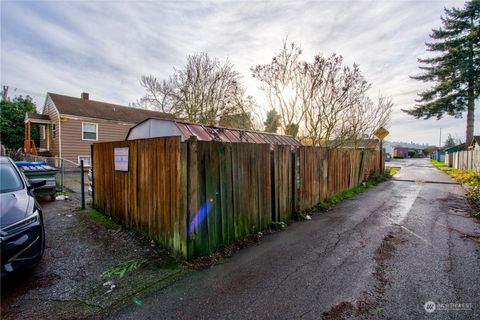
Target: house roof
pixel 101 110
pixel 458 147
pixel 205 132
pixel 38 116
pixel 475 139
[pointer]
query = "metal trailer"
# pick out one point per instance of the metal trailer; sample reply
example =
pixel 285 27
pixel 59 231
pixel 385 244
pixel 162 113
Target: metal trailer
pixel 40 170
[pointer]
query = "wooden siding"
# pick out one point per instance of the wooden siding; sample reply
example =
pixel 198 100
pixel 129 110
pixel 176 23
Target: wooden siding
pixel 50 110
pixel 72 143
pixel 43 140
pixel 197 196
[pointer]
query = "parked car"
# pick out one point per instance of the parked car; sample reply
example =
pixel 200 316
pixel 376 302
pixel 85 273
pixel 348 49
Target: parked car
pixel 22 234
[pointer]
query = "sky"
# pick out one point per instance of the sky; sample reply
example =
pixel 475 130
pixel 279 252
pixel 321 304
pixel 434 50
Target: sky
pixel 104 47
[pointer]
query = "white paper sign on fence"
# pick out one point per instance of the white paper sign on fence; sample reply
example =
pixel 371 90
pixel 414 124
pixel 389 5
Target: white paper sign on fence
pixel 121 159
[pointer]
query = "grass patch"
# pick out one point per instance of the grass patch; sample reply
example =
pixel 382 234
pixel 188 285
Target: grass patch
pixel 103 219
pixel 466 177
pixel 392 170
pixel 123 268
pixel 373 180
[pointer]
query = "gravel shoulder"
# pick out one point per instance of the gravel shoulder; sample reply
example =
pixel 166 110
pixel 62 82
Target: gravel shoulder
pixel 67 283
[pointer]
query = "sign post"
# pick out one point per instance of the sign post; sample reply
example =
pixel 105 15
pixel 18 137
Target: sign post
pixel 381 133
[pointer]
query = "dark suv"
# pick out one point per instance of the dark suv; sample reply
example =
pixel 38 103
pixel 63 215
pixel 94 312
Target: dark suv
pixel 22 234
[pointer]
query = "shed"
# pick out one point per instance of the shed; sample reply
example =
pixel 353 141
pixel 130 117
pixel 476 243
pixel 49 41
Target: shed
pixel 439 155
pixel 458 147
pixel 475 143
pixel 155 128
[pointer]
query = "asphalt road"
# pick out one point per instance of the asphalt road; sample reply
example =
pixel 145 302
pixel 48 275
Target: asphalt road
pixel 381 254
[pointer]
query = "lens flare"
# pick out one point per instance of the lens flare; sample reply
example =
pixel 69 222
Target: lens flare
pixel 199 217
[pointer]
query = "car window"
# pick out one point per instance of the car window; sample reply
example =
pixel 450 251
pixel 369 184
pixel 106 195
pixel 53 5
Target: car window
pixel 9 179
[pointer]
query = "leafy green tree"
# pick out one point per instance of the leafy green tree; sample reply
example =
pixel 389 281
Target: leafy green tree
pixel 450 142
pixel 455 69
pixel 242 120
pixel 272 122
pixel 12 116
pixel 292 129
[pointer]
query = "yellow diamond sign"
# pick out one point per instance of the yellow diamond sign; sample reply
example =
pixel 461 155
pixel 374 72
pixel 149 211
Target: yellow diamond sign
pixel 381 133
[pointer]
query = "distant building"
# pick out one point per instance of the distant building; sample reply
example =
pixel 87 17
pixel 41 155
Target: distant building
pixel 69 125
pixel 439 155
pixel 400 152
pixel 406 152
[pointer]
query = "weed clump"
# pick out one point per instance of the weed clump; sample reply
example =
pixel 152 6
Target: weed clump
pixel 466 177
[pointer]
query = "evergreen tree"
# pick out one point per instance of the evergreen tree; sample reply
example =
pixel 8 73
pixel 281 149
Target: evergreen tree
pixel 455 69
pixel 272 122
pixel 12 116
pixel 450 142
pixel 241 120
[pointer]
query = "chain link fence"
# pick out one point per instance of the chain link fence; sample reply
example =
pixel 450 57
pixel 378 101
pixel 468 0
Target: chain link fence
pixel 68 176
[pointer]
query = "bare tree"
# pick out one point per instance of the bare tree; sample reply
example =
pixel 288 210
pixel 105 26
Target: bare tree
pixel 366 117
pixel 202 91
pixel 324 100
pixel 287 86
pixel 339 90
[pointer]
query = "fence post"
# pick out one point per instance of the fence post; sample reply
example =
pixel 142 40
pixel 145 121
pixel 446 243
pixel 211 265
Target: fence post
pixel 296 181
pixel 82 184
pixel 62 174
pixel 381 157
pixel 91 178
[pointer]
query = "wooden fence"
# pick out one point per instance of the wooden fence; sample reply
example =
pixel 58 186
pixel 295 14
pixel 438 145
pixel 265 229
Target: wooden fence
pixel 324 173
pixel 195 197
pixel 466 160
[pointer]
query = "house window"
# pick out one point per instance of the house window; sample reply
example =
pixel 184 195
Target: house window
pixel 89 131
pixel 54 131
pixel 86 160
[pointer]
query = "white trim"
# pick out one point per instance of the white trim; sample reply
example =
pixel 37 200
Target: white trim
pixel 98 120
pixel 96 131
pixel 59 130
pixel 85 156
pixel 48 138
pixel 44 132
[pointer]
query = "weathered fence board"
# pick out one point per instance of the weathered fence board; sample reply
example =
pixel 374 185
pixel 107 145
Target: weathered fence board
pixel 148 196
pixel 282 188
pixel 465 160
pixel 196 197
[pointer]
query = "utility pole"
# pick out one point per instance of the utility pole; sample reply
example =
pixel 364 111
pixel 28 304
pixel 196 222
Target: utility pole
pixel 5 92
pixel 440 139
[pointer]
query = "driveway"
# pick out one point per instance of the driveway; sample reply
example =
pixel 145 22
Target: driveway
pixel 381 254
pixel 67 283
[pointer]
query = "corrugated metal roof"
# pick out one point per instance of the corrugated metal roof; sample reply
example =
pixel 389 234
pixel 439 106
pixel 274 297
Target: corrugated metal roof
pixel 221 134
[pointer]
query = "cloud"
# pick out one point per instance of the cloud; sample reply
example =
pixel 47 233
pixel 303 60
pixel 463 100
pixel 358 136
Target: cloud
pixel 104 47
